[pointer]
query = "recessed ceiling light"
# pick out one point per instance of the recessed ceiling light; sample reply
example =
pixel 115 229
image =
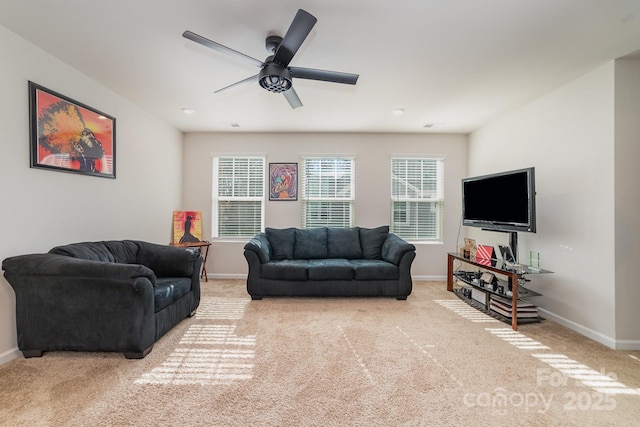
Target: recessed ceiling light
pixel 188 110
pixel 227 124
pixel 398 111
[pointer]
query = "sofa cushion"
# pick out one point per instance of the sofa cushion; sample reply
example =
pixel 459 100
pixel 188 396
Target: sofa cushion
pixel 330 269
pixel 287 269
pixel 373 269
pixel 343 243
pixel 371 240
pixel 310 243
pixel 281 241
pixel 168 290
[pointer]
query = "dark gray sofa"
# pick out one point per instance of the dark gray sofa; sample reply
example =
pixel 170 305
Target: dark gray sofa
pixel 329 261
pixel 114 296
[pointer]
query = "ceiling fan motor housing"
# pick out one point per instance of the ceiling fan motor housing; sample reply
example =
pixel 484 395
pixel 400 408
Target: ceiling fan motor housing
pixel 275 78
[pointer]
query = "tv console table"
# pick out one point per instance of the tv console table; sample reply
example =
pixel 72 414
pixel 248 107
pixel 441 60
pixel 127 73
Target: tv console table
pixel 494 266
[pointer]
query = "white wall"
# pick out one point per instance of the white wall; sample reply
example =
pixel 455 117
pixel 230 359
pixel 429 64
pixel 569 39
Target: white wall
pixel 41 208
pixel 627 200
pixel 569 136
pixel 372 168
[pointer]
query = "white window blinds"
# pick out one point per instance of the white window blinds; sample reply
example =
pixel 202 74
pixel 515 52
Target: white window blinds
pixel 238 196
pixel 327 192
pixel 417 198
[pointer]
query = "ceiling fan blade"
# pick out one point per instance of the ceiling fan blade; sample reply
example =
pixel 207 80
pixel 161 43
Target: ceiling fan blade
pixel 251 79
pixel 292 98
pixel 323 75
pixel 220 48
pixel 298 31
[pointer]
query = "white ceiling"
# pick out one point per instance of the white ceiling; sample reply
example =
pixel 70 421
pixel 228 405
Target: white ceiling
pixel 453 63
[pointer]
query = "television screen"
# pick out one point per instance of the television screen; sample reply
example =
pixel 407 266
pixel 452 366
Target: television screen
pixel 501 202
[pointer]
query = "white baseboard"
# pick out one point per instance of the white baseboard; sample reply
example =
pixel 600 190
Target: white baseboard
pixel 9 355
pixel 430 279
pixel 214 276
pixel 627 344
pixel 590 333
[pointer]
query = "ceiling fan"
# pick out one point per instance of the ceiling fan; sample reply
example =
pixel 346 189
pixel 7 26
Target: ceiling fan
pixel 276 75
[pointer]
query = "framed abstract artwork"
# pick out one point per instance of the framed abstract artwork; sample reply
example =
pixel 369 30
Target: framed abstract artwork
pixel 283 181
pixel 68 136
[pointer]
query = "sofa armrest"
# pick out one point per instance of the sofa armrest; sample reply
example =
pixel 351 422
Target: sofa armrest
pixel 168 261
pixel 394 248
pixel 260 245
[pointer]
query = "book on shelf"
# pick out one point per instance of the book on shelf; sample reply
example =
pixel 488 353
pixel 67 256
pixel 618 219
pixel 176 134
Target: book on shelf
pixel 507 313
pixel 504 307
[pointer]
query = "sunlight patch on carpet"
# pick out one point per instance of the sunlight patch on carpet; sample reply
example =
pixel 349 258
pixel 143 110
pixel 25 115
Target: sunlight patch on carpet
pixel 601 381
pixel 202 366
pixel 212 308
pixel 215 335
pixel 465 310
pixel 209 352
pixel 516 338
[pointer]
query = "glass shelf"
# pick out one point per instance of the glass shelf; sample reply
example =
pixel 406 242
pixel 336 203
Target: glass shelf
pixel 523 292
pixel 500 265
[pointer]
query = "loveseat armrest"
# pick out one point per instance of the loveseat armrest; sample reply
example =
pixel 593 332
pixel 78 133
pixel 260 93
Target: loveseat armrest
pixel 260 245
pixel 168 261
pixel 394 248
pixel 65 303
pixel 60 265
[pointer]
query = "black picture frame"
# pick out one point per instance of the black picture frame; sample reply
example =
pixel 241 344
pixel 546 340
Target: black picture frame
pixel 69 136
pixel 283 181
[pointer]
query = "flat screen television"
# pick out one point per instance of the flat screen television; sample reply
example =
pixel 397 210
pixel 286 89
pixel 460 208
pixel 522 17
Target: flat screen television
pixel 504 201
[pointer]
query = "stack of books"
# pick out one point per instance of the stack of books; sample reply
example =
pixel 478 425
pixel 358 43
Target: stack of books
pixel 503 306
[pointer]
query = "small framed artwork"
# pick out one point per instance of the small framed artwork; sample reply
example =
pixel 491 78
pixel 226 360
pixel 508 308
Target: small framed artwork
pixel 187 227
pixel 283 181
pixel 69 136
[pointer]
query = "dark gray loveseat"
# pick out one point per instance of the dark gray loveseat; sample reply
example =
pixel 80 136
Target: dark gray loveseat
pixel 117 296
pixel 329 261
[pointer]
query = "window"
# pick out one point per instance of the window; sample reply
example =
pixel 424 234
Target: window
pixel 417 198
pixel 327 192
pixel 238 196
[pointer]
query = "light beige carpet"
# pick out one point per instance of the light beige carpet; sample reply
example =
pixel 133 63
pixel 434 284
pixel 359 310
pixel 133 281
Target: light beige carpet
pixel 430 360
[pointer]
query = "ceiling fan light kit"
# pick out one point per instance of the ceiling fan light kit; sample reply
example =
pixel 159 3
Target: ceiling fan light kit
pixel 274 78
pixel 275 75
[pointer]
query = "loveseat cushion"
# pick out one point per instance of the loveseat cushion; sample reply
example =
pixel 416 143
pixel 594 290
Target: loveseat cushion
pixel 371 240
pixel 310 243
pixel 344 243
pixel 120 251
pixel 330 269
pixel 286 269
pixel 165 260
pixel 168 290
pixel 281 242
pixel 373 269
